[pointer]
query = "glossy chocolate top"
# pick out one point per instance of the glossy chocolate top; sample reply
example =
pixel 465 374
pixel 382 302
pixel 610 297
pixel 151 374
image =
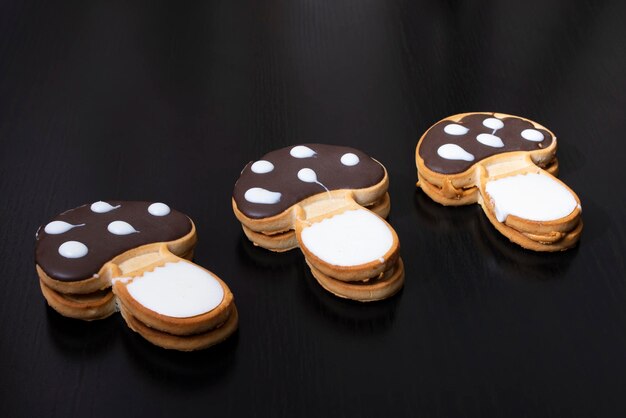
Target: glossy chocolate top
pixel 439 147
pixel 286 176
pixel 77 243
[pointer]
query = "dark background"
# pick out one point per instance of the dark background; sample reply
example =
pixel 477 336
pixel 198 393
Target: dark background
pixel 168 101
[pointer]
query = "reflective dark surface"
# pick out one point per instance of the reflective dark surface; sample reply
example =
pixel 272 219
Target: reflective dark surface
pixel 168 102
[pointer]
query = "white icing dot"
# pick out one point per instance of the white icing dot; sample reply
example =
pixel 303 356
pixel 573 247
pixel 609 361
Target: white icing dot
pixel 262 196
pixel 102 207
pixel 490 140
pixel 454 152
pixel 158 209
pixel 349 159
pixel 455 129
pixel 59 227
pixel 262 167
pixel 121 228
pixel 300 151
pixel 493 123
pixel 307 175
pixel 532 135
pixel 73 249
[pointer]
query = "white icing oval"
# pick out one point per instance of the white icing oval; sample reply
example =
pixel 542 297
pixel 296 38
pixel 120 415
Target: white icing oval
pixel 159 209
pixel 307 175
pixel 102 207
pixel 262 167
pixel 532 135
pixel 454 152
pixel 177 289
pixel 455 129
pixel 490 140
pixel 534 197
pixel 300 151
pixel 59 227
pixel 349 159
pixel 351 238
pixel 262 196
pixel 121 228
pixel 493 123
pixel 73 249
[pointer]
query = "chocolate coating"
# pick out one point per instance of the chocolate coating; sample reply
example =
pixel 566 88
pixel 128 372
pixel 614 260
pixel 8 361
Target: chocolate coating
pixel 103 245
pixel 510 135
pixel 284 177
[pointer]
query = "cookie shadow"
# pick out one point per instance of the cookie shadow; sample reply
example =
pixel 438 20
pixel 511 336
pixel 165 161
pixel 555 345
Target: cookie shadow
pixel 497 249
pixel 597 222
pixel 359 318
pixel 178 369
pixel 447 219
pixel 251 255
pixel 75 337
pixel 509 256
pixel 346 314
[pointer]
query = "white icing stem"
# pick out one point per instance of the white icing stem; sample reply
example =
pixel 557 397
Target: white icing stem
pixel 350 238
pixel 535 197
pixel 179 289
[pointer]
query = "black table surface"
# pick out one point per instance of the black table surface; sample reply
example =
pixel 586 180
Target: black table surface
pixel 168 101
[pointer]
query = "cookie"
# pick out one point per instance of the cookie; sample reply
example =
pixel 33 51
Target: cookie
pixel 330 202
pixel 134 256
pixel 507 164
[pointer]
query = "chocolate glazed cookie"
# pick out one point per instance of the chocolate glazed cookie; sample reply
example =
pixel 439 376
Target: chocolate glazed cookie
pixel 275 177
pixel 508 165
pixel 102 231
pixel 330 202
pixel 450 148
pixel 133 256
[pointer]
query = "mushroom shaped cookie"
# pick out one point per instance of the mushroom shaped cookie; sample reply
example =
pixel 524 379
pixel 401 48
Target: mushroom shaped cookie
pixel 133 256
pixel 508 165
pixel 329 201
